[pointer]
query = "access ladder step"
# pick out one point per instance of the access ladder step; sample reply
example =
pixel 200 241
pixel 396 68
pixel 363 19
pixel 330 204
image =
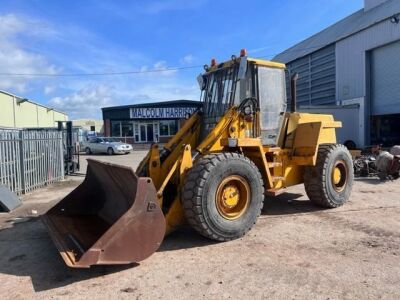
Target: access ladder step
pixel 274 164
pixel 274 192
pixel 278 178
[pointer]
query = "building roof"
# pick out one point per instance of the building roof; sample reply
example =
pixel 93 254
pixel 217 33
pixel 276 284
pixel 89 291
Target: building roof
pixel 33 102
pixel 155 104
pixel 354 23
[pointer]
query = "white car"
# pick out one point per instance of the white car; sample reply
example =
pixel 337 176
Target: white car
pixel 106 145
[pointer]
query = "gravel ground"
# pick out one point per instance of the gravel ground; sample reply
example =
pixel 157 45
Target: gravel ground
pixel 295 251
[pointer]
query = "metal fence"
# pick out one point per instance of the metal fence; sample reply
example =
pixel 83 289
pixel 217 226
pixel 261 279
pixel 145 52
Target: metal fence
pixel 30 159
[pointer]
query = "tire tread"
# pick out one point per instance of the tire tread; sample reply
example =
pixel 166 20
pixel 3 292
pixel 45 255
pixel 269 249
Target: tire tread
pixel 193 191
pixel 315 178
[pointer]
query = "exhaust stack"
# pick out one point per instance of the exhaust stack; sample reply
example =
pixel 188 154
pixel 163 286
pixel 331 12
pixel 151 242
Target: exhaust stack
pixel 293 92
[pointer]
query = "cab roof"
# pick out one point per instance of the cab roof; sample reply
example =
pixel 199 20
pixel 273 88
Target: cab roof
pixel 260 62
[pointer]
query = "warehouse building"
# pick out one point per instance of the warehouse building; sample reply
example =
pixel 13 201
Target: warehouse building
pixel 90 125
pixel 355 62
pixel 17 112
pixel 148 122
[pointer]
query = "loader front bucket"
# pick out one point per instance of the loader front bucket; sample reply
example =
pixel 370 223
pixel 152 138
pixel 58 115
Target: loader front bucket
pixel 113 217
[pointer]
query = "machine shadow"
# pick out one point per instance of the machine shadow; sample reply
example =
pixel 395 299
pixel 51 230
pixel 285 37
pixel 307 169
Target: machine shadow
pixel 370 180
pixel 184 238
pixel 287 204
pixel 284 204
pixel 27 250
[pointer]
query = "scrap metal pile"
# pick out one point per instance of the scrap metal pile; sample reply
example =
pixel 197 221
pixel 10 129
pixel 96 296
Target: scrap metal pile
pixel 383 164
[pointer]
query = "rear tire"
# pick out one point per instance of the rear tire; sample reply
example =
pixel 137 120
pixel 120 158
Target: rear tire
pixel 223 196
pixel 329 182
pixel 110 151
pixel 88 151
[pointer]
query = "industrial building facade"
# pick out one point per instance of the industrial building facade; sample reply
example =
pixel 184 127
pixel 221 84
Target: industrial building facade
pixel 90 125
pixel 355 62
pixel 148 122
pixel 17 112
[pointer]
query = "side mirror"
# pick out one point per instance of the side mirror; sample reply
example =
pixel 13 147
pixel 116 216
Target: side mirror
pixel 201 80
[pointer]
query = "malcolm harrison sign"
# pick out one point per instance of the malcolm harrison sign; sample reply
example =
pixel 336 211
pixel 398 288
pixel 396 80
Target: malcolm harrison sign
pixel 161 112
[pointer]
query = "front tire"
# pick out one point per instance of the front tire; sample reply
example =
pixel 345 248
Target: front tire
pixel 110 151
pixel 329 182
pixel 223 196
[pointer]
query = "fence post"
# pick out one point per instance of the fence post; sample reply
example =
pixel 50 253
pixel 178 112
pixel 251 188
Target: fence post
pixel 22 161
pixel 60 140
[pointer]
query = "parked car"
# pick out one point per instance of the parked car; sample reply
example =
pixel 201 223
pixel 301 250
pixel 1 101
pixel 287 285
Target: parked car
pixel 106 145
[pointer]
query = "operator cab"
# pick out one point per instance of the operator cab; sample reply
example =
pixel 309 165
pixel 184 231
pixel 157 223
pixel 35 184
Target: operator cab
pixel 255 86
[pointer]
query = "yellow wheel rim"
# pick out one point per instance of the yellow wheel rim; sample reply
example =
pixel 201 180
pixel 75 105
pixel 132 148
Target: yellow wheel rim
pixel 339 176
pixel 233 197
pixel 336 175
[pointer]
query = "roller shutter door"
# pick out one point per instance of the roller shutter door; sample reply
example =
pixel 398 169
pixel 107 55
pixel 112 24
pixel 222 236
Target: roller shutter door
pixel 385 80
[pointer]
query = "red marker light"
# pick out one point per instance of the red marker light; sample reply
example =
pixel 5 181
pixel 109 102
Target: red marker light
pixel 243 52
pixel 213 62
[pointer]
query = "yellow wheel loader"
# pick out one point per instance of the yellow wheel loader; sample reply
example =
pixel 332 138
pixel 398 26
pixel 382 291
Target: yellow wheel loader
pixel 214 174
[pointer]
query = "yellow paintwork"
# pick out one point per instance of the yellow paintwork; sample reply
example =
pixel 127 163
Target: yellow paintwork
pixel 281 166
pixel 336 176
pixel 266 63
pixel 165 172
pixel 232 197
pixel 260 62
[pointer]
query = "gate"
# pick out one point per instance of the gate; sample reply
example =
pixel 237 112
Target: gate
pixel 30 159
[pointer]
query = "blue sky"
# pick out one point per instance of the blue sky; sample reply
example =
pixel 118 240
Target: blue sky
pixel 58 37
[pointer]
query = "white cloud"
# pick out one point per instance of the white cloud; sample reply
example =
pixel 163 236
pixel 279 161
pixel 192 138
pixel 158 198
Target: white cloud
pixel 85 103
pixel 159 68
pixel 49 89
pixel 82 97
pixel 88 101
pixel 14 58
pixel 168 91
pixel 187 59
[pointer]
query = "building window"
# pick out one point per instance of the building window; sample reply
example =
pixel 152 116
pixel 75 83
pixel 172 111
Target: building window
pixel 92 128
pixel 142 132
pixel 168 128
pixel 173 127
pixel 136 128
pixel 115 128
pixel 164 131
pixel 127 128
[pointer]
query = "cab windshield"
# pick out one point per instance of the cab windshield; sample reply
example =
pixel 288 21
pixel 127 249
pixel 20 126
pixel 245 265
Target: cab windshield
pixel 223 89
pixel 220 91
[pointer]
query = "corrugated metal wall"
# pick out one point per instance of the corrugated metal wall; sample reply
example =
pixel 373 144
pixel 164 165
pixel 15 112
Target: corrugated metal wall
pixel 317 79
pixel 385 80
pixel 351 59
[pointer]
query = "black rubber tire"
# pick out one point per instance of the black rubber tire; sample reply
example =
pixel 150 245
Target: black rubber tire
pixel 199 193
pixel 317 179
pixel 88 151
pixel 110 151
